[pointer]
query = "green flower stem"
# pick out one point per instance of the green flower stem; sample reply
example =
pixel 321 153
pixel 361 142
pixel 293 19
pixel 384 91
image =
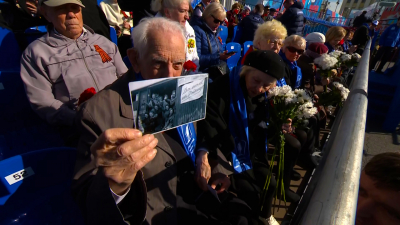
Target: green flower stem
pixel 280 146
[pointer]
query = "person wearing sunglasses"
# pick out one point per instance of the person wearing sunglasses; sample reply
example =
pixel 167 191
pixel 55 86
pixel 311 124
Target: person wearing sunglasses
pixel 293 47
pixel 208 41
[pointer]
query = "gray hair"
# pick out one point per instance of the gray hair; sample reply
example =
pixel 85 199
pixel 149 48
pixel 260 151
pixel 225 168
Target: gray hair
pixel 294 40
pixel 159 5
pixel 160 24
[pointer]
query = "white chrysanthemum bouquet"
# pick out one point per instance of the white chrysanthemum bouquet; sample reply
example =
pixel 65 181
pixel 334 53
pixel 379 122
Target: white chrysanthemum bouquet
pixel 326 65
pixel 337 95
pixel 350 60
pixel 285 104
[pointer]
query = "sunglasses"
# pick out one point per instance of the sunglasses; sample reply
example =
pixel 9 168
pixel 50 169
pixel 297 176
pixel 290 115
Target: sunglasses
pixel 217 21
pixel 275 42
pixel 293 50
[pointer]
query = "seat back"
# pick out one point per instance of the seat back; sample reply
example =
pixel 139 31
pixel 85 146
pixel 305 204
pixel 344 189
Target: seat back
pixel 223 33
pixel 113 35
pixel 10 53
pixel 33 33
pixel 233 60
pixel 127 62
pixel 35 188
pixel 21 128
pixel 246 46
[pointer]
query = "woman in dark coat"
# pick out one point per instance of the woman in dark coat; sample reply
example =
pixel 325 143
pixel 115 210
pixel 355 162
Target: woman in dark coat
pixel 236 124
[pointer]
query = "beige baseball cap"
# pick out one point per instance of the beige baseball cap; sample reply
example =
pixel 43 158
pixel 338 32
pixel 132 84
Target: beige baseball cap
pixel 55 3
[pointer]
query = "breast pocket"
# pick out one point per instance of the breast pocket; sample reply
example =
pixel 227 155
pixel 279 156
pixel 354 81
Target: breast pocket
pixel 76 77
pixel 104 73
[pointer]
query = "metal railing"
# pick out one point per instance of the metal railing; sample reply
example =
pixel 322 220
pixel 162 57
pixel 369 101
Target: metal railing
pixel 332 193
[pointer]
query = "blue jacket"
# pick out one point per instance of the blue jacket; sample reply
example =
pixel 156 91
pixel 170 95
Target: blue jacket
pixel 330 47
pixel 390 37
pixel 293 19
pixel 207 58
pixel 249 26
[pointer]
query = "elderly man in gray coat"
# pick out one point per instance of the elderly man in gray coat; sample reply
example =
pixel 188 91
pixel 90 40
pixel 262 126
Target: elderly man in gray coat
pixel 126 177
pixel 59 66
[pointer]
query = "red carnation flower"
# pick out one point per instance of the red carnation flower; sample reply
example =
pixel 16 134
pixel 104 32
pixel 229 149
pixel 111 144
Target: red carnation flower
pixel 189 66
pixel 86 95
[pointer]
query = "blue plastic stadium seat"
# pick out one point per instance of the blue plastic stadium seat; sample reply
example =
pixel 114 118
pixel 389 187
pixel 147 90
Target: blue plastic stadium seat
pixel 127 62
pixel 246 46
pixel 98 2
pixel 35 188
pixel 223 33
pixel 233 60
pixel 10 52
pixel 113 35
pixel 20 126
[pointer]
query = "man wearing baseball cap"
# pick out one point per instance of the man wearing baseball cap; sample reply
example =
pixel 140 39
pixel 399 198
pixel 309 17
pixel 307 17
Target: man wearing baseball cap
pixel 67 60
pixel 230 99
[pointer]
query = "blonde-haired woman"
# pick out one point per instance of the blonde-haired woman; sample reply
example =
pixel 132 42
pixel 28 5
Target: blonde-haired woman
pixel 208 41
pixel 293 47
pixel 178 10
pixel 333 37
pixel 268 36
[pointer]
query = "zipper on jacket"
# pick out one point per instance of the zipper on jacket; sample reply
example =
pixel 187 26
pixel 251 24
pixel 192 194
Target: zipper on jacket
pixel 91 74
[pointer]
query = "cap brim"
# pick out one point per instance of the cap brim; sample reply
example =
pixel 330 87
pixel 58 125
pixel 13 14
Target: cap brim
pixel 55 3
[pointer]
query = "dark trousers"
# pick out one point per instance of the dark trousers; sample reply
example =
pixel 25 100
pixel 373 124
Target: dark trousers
pixel 384 54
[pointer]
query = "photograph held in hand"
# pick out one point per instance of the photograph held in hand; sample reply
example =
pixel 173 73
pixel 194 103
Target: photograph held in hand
pixel 163 104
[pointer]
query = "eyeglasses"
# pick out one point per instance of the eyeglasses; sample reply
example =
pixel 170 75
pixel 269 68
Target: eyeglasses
pixel 217 21
pixel 277 42
pixel 293 50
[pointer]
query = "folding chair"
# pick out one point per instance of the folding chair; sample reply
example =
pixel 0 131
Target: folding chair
pixel 246 46
pixel 234 59
pixel 223 33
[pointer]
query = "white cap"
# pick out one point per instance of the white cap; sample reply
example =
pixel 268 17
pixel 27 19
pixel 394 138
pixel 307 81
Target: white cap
pixel 247 7
pixel 315 37
pixel 375 22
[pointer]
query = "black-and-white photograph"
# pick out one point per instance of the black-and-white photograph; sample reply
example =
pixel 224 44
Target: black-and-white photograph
pixel 163 104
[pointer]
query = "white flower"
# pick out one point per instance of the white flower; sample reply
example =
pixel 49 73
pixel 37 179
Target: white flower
pixel 336 54
pixel 345 57
pixel 326 62
pixel 306 110
pixel 356 56
pixel 337 84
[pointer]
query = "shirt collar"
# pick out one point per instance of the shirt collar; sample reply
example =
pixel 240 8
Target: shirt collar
pixel 83 32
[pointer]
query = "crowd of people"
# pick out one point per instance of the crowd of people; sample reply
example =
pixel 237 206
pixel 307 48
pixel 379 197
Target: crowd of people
pixel 123 176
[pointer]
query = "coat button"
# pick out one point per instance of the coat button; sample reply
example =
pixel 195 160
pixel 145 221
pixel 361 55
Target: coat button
pixel 168 208
pixel 168 164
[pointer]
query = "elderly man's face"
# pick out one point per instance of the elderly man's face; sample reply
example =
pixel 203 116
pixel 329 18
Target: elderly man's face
pixel 179 14
pixel 67 19
pixel 164 58
pixel 376 206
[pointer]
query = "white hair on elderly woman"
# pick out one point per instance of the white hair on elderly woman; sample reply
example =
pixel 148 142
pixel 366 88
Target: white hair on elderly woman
pixel 295 41
pixel 157 24
pixel 214 9
pixel 159 5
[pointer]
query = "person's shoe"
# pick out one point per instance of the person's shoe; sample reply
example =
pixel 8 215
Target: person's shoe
pixel 316 157
pixel 272 221
pixel 290 196
pixel 295 175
